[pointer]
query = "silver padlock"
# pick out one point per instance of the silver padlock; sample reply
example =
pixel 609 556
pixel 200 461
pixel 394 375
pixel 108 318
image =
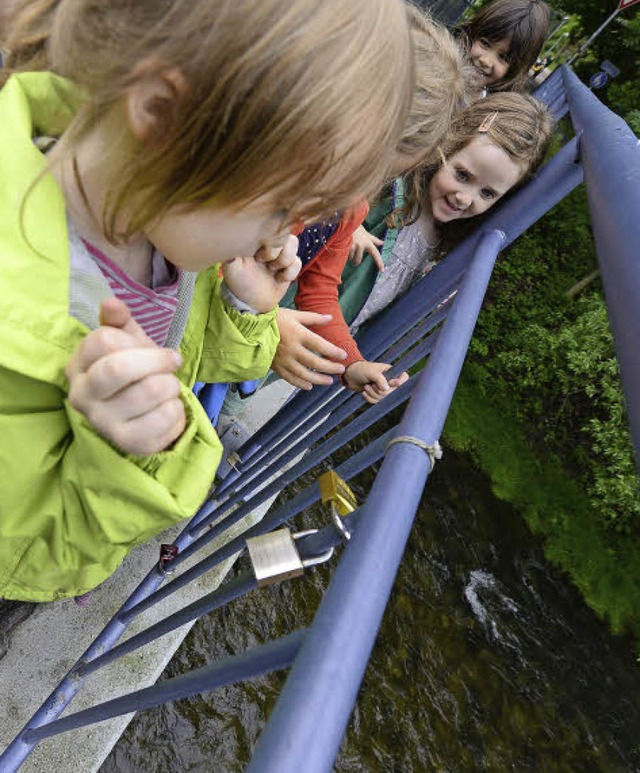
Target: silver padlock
pixel 274 557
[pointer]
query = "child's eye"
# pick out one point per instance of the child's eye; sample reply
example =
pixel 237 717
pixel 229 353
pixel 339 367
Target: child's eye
pixel 488 194
pixel 484 42
pixel 505 58
pixel 462 175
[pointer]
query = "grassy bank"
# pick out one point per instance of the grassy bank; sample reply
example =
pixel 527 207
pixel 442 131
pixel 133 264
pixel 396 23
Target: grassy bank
pixel 604 564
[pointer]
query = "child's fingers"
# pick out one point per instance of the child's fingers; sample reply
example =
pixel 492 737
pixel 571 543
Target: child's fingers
pixel 305 367
pixel 278 258
pixel 290 272
pixel 306 318
pixel 356 255
pixel 398 381
pixel 153 432
pixel 118 370
pixel 371 395
pixel 99 343
pixel 295 380
pixel 285 265
pixel 376 257
pixel 294 333
pixel 141 397
pixel 379 381
pixel 307 360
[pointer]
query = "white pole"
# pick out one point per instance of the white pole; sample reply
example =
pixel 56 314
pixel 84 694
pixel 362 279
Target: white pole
pixel 584 46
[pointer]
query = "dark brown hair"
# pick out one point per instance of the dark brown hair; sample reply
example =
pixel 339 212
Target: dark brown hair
pixel 524 23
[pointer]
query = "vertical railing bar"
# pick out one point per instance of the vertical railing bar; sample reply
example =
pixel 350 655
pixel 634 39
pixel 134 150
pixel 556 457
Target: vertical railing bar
pixel 327 674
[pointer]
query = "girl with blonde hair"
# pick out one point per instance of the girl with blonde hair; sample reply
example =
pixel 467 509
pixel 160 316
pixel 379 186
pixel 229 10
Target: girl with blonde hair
pixel 493 146
pixel 175 135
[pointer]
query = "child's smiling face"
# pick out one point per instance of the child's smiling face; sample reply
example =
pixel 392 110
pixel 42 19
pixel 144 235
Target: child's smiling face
pixel 490 59
pixel 472 180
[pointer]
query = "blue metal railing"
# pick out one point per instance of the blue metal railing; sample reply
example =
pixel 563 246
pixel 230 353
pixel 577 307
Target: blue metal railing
pixel 326 674
pixel 610 154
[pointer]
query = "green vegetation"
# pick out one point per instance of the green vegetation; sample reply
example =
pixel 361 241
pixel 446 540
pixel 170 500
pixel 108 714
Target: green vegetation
pixel 540 406
pixel 539 403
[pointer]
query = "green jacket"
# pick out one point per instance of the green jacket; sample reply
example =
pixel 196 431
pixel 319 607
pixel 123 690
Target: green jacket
pixel 71 505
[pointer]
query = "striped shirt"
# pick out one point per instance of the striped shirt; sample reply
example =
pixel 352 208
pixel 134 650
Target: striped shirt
pixel 153 307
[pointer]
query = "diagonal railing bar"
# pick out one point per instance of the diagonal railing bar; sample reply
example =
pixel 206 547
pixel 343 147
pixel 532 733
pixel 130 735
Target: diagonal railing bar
pixel 283 423
pixel 309 547
pixel 273 656
pixel 397 319
pixel 360 423
pixel 312 428
pixel 227 592
pixel 414 335
pixel 307 463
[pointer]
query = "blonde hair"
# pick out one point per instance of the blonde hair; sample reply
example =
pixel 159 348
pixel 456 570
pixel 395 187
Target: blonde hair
pixel 25 39
pixel 440 88
pixel 519 124
pixel 275 93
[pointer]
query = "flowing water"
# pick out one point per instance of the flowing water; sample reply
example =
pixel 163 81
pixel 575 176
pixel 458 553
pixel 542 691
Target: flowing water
pixel 487 660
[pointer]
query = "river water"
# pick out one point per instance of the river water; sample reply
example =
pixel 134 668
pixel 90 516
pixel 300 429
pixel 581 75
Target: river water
pixel 487 660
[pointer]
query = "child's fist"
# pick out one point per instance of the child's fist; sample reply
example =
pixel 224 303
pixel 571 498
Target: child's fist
pixel 124 384
pixel 262 281
pixel 368 378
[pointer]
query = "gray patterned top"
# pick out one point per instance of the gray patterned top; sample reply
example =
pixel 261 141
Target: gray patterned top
pixel 408 261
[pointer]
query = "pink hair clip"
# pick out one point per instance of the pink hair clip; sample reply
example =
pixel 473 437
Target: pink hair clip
pixel 487 123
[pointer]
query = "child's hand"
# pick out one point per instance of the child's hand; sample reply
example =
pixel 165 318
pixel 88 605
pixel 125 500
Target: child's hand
pixel 124 384
pixel 367 378
pixel 301 352
pixel 364 242
pixel 262 281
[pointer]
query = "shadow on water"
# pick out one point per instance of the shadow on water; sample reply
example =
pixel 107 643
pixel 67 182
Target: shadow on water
pixel 487 659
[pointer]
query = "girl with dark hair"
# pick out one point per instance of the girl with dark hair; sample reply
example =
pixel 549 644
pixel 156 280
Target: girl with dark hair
pixel 503 41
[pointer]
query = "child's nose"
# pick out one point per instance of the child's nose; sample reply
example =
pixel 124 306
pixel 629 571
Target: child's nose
pixel 487 60
pixel 463 200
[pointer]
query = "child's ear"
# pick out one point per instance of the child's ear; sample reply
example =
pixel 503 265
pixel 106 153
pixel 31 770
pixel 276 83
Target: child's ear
pixel 152 103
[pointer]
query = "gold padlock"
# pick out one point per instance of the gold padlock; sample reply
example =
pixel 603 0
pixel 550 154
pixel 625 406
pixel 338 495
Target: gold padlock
pixel 334 489
pixel 274 557
pixel 341 500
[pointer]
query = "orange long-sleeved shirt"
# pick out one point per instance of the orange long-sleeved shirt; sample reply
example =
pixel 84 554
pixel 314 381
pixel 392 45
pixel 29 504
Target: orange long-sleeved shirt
pixel 319 280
